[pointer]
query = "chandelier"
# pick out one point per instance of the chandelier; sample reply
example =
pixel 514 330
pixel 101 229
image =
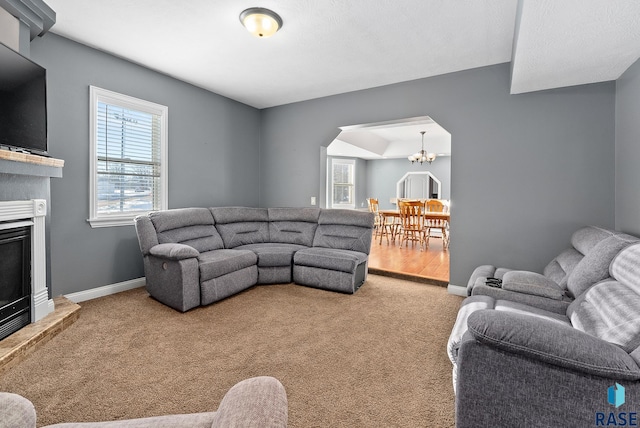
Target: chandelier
pixel 422 156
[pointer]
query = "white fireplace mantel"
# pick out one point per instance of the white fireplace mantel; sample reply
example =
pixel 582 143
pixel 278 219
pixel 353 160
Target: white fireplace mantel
pixel 33 212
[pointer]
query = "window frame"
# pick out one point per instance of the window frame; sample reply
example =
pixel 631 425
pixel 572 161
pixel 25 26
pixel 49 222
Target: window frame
pixel 343 161
pixel 97 95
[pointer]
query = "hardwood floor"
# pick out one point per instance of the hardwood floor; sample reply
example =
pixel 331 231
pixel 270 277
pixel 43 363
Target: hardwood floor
pixel 430 265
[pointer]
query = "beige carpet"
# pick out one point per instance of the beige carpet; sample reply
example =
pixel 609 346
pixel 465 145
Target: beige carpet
pixel 375 358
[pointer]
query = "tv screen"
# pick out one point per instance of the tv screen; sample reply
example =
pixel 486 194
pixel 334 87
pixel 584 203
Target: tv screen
pixel 23 103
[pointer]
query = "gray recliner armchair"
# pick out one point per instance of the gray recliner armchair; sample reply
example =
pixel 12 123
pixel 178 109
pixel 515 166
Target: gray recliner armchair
pixel 562 280
pixel 518 365
pixel 259 402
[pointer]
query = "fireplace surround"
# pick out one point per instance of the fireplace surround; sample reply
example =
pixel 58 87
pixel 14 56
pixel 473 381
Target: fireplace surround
pixel 28 217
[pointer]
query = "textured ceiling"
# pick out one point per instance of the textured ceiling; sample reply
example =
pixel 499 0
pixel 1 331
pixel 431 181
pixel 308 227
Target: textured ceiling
pixel 325 47
pixel 328 47
pixel 573 42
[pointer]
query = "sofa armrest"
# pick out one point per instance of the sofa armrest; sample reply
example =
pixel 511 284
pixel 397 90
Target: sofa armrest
pixel 483 271
pixel 173 251
pixel 532 283
pixel 552 343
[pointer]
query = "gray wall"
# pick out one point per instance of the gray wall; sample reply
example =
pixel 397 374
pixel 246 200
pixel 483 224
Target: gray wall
pixel 213 157
pixel 628 150
pixel 549 156
pixel 383 174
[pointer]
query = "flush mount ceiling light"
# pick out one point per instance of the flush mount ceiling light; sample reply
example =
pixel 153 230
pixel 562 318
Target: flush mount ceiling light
pixel 261 22
pixel 422 156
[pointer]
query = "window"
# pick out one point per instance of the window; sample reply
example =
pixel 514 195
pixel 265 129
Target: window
pixel 342 183
pixel 128 158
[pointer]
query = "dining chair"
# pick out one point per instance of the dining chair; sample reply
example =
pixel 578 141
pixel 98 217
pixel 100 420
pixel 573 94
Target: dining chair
pixel 434 205
pixel 383 226
pixel 437 224
pixel 412 222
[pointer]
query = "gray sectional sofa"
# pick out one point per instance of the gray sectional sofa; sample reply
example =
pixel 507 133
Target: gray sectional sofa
pixel 197 256
pixel 516 364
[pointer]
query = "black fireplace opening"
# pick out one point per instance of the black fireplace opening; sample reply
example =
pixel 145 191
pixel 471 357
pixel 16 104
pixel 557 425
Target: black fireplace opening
pixel 15 279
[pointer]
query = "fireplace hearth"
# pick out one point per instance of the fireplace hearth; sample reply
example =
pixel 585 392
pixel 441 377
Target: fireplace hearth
pixel 15 278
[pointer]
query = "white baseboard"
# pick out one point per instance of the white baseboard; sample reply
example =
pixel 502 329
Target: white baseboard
pixel 106 290
pixel 457 290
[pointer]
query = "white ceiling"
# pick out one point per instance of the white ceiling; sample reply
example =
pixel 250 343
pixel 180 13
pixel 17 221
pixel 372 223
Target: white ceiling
pixel 328 47
pixel 392 139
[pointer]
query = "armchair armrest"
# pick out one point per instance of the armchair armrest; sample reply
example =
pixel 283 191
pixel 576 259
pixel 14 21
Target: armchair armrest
pixel 255 402
pixel 173 251
pixel 552 343
pixel 532 283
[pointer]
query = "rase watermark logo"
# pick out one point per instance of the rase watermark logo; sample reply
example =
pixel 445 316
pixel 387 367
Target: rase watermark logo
pixel 616 397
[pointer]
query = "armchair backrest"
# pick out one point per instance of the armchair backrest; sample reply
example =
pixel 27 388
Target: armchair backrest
pixel 594 266
pixel 610 310
pixel 583 240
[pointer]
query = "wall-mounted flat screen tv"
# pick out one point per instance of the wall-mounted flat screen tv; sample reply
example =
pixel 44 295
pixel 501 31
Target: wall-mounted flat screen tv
pixel 23 103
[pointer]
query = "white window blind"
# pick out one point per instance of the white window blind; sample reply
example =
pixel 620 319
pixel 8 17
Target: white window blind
pixel 128 158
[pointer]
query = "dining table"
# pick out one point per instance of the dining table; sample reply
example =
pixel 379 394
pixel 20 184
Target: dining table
pixel 428 215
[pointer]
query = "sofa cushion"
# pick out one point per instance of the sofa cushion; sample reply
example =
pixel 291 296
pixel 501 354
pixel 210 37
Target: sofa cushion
pixel 293 225
pixel 214 264
pixel 330 258
pixel 524 309
pixel 559 268
pixel 241 225
pixel 307 215
pixel 609 309
pixel 292 232
pixel 345 230
pixel 584 239
pixel 594 266
pixel 625 267
pixel 188 226
pixel 273 255
pixel 224 215
pixel 531 283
